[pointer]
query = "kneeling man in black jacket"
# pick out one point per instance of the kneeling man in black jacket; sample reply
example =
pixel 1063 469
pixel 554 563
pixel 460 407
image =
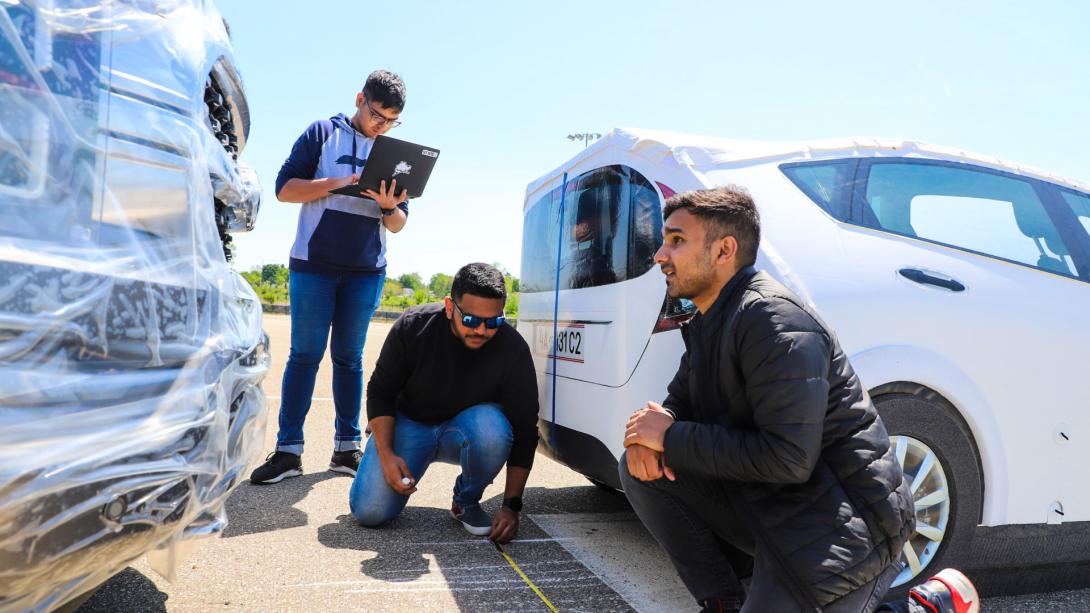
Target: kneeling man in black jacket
pixel 767 461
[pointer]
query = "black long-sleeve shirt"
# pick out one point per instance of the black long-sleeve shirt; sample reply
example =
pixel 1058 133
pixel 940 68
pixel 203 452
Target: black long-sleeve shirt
pixel 429 375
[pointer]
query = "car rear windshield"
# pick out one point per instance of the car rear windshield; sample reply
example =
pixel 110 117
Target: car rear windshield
pixel 606 227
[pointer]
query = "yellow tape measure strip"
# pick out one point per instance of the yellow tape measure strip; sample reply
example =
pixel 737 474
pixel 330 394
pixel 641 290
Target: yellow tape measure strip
pixel 525 578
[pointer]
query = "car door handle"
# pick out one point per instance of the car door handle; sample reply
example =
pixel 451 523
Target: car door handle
pixel 925 278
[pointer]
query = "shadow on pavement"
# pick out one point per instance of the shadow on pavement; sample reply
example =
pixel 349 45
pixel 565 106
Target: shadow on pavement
pixel 123 589
pixel 424 551
pixel 589 499
pixel 253 509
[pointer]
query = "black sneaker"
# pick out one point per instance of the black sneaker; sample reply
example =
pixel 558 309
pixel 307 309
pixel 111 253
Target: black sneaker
pixel 347 462
pixel 475 520
pixel 279 465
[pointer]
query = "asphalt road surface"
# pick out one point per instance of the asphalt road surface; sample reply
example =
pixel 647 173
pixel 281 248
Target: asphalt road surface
pixel 292 546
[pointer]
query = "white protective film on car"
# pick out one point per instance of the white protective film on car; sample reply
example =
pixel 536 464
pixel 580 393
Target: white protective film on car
pixel 131 355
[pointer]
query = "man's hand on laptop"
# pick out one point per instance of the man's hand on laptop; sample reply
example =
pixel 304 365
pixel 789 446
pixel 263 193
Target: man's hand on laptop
pixel 345 181
pixel 387 199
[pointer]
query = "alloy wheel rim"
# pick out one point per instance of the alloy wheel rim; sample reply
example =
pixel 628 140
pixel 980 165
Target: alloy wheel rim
pixel 931 498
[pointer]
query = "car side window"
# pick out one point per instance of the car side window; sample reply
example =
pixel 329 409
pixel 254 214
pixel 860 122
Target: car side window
pixel 1080 206
pixel 828 184
pixel 971 209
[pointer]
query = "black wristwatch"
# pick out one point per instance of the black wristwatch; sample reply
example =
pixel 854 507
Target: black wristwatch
pixel 388 212
pixel 514 503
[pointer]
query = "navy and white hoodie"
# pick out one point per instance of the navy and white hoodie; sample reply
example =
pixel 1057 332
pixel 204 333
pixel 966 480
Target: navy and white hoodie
pixel 336 234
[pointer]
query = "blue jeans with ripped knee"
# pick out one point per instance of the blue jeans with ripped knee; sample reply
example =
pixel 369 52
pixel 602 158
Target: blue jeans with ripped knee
pixel 478 439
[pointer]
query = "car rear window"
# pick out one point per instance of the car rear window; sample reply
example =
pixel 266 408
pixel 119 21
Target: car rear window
pixel 611 228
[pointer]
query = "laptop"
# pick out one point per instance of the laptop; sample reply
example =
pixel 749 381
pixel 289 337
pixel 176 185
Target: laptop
pixel 389 159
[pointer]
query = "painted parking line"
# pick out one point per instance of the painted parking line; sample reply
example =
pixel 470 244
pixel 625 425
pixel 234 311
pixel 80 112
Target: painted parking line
pixel 617 548
pixel 580 573
pixel 461 572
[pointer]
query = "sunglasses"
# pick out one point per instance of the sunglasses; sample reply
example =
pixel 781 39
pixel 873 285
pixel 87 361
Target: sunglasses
pixel 472 321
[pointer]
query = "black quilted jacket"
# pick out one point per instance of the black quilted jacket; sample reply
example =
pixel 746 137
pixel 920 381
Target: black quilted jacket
pixel 766 401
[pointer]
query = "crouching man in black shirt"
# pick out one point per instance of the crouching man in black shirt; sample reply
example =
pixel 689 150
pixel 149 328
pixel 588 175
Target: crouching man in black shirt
pixel 454 384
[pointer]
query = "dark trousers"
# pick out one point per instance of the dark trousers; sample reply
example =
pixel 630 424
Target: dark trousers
pixel 714 551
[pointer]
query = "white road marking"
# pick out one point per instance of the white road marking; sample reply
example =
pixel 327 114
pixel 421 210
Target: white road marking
pixel 619 550
pixel 458 580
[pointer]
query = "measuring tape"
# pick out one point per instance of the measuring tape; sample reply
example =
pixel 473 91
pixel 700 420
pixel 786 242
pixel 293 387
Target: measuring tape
pixel 525 578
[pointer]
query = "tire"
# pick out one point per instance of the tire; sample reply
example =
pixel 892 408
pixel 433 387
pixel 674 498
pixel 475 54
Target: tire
pixel 920 421
pixel 74 604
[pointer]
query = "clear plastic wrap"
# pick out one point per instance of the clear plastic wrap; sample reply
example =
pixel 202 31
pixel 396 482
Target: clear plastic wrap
pixel 131 355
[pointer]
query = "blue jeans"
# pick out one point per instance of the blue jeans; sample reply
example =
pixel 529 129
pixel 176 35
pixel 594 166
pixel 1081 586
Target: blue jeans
pixel 319 302
pixel 478 439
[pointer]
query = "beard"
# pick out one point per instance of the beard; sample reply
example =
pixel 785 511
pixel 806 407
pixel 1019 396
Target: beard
pixel 693 281
pixel 467 338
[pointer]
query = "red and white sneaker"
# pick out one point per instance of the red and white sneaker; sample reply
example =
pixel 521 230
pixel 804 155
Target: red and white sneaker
pixel 950 591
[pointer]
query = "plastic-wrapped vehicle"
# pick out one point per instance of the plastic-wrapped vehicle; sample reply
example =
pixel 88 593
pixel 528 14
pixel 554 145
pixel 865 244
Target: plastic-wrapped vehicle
pixel 131 355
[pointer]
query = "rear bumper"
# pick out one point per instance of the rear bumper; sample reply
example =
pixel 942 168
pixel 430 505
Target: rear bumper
pixel 579 451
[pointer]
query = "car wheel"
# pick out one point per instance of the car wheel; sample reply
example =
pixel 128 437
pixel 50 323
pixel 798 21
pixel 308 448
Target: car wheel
pixel 940 463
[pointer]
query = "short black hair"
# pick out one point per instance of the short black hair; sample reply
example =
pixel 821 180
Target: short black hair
pixel 725 211
pixel 479 279
pixel 385 88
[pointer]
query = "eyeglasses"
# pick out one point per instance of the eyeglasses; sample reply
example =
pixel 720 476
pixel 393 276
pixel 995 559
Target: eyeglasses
pixel 378 118
pixel 472 321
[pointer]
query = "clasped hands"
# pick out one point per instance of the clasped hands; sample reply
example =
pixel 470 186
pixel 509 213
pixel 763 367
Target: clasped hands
pixel 644 437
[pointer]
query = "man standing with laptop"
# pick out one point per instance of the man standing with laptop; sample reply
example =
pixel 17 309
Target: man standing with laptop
pixel 337 269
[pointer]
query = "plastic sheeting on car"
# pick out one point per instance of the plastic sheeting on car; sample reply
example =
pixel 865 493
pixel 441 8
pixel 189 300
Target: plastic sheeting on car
pixel 131 355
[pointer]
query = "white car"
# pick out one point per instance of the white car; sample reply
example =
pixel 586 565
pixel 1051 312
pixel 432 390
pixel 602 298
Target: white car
pixel 956 283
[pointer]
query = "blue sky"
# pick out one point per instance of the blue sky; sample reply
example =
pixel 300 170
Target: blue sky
pixel 498 86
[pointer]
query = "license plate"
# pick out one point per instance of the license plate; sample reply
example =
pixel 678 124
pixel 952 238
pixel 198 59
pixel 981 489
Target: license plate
pixel 568 342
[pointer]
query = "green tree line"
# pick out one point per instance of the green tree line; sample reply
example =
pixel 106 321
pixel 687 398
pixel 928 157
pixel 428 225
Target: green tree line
pixel 270 282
